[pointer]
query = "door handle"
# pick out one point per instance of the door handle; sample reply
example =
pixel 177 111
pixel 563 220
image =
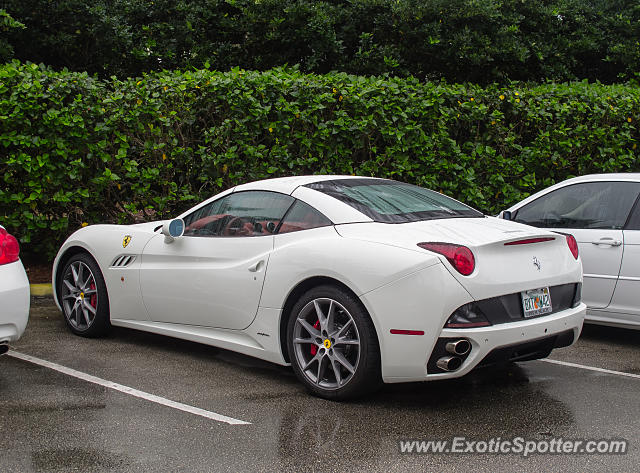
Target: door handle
pixel 607 241
pixel 257 267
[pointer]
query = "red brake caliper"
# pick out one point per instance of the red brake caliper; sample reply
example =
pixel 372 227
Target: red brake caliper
pixel 314 349
pixel 94 297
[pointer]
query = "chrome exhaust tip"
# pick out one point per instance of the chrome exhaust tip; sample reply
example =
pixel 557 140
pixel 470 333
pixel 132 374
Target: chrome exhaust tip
pixel 449 363
pixel 459 347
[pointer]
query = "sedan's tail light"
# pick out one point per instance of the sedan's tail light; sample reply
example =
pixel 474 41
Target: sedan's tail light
pixel 9 247
pixel 459 256
pixel 573 245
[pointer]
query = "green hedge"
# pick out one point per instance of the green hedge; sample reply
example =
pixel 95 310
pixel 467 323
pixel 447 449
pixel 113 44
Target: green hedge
pixel 76 149
pixel 480 41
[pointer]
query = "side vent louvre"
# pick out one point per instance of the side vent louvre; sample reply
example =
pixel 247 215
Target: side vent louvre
pixel 123 261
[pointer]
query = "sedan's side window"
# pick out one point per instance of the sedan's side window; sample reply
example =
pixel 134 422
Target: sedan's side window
pixel 302 216
pixel 633 222
pixel 603 205
pixel 248 213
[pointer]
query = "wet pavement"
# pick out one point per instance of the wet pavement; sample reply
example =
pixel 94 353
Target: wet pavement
pixel 52 422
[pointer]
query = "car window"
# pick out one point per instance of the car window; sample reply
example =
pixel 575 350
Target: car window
pixel 633 222
pixel 302 216
pixel 250 213
pixel 389 201
pixel 603 205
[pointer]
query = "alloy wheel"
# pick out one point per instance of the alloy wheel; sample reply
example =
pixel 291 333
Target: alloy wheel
pixel 327 343
pixel 79 295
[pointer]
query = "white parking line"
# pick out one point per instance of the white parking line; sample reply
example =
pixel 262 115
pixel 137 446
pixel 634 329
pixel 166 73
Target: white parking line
pixel 127 390
pixel 591 368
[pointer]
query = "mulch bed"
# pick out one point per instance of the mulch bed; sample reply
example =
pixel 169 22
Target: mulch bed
pixel 38 273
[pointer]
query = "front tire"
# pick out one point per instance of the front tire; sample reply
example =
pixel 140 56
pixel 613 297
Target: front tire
pixel 333 345
pixel 82 293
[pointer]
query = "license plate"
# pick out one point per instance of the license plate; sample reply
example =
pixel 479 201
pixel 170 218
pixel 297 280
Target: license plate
pixel 536 302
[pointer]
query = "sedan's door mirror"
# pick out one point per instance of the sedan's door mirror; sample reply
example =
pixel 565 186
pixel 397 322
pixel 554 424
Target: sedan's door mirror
pixel 172 229
pixel 505 214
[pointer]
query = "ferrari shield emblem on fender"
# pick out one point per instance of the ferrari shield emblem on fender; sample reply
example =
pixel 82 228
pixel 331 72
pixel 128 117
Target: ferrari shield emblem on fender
pixel 126 240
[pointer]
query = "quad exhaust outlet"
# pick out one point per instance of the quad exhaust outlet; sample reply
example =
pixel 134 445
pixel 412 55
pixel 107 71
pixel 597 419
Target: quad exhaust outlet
pixel 449 363
pixel 459 347
pixel 455 352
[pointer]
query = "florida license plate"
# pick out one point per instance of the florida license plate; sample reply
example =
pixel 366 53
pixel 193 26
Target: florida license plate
pixel 536 302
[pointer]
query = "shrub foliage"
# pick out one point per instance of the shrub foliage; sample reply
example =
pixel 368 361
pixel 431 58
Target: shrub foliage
pixel 76 149
pixel 479 41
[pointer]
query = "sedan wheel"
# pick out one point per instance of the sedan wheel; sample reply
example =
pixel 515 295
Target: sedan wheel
pixel 333 345
pixel 83 296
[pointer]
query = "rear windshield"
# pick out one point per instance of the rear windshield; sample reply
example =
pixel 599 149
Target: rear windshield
pixel 393 202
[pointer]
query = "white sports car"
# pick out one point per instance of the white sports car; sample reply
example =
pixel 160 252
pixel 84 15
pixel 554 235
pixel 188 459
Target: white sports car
pixel 15 293
pixel 353 281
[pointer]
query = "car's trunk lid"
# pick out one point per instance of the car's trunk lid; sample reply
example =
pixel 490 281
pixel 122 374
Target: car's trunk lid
pixel 506 260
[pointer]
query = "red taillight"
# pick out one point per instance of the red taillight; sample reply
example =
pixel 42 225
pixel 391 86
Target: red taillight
pixel 9 248
pixel 573 245
pixel 459 256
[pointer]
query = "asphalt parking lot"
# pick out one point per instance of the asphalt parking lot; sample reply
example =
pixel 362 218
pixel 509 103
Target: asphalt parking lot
pixel 56 422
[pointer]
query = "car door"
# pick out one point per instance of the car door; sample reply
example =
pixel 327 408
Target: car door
pixel 626 300
pixel 213 275
pixel 595 214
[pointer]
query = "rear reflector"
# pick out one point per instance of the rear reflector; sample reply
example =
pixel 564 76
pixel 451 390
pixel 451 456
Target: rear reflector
pixel 406 332
pixel 528 241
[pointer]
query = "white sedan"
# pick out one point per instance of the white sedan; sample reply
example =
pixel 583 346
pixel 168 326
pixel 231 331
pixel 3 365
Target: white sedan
pixel 602 212
pixel 14 291
pixel 353 281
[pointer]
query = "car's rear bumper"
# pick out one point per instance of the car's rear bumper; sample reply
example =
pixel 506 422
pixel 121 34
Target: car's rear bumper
pixel 14 301
pixel 516 341
pixel 421 304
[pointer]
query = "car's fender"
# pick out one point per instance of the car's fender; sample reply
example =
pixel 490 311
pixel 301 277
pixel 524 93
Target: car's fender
pixel 105 243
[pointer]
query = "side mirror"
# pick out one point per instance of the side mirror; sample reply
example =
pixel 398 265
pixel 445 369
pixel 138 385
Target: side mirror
pixel 505 214
pixel 173 229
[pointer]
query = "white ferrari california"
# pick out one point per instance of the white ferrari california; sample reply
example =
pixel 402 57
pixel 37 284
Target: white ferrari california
pixel 353 281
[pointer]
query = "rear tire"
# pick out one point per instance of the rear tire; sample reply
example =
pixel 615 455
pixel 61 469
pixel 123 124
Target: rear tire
pixel 82 294
pixel 333 344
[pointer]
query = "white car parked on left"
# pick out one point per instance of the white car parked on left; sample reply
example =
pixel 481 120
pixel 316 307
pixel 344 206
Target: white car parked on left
pixel 14 291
